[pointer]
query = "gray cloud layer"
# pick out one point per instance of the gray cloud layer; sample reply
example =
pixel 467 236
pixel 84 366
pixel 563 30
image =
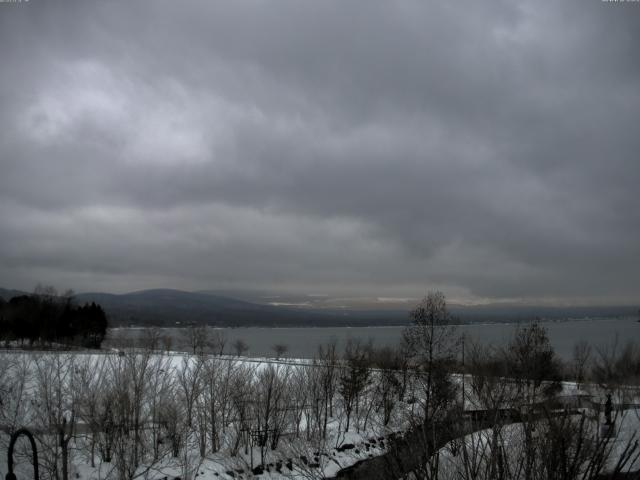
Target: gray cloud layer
pixel 349 148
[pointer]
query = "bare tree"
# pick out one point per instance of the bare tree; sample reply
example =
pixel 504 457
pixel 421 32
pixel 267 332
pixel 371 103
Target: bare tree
pixel 91 375
pixel 533 363
pixel 189 385
pixel 15 378
pixel 242 390
pixel 57 401
pixel 195 419
pixel 328 357
pixel 161 385
pixel 536 373
pixel 197 338
pixel 431 342
pixel 318 398
pixel 617 369
pixel 300 388
pixel 580 362
pixel 186 419
pixel 354 378
pixel 166 342
pixel 542 441
pixel 279 349
pixel 218 341
pixel 387 383
pixel 151 339
pixel 170 418
pixel 270 405
pixel 492 394
pixel 213 390
pixel 129 389
pixel 219 378
pixel 240 347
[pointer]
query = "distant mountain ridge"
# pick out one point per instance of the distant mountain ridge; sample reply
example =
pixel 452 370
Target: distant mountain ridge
pixel 7 294
pixel 168 307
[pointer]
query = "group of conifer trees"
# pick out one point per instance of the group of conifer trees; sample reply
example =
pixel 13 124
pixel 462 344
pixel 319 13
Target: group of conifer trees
pixel 46 318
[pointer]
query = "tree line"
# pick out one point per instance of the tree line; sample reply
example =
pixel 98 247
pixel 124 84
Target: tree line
pixel 46 318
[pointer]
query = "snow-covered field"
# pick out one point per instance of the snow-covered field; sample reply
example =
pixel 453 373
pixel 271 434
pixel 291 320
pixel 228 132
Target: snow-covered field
pixel 474 450
pixel 173 415
pixel 186 404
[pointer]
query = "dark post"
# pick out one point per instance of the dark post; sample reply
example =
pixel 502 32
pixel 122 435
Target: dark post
pixel 463 372
pixel 34 451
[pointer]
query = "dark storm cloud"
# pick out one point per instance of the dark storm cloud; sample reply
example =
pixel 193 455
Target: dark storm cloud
pixel 352 148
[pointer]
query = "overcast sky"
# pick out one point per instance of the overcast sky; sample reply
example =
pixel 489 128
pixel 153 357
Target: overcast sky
pixel 348 148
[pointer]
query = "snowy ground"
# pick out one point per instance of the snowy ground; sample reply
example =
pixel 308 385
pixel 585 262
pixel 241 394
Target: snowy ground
pixel 292 461
pixel 452 459
pixel 299 459
pixel 294 458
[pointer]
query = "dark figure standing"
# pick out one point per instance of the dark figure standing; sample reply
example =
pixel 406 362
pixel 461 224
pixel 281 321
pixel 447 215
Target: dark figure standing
pixel 607 409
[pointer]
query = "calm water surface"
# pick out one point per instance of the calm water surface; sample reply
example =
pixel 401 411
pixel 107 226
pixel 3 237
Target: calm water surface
pixel 303 342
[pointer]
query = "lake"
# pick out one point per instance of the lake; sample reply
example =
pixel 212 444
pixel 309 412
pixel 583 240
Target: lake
pixel 303 342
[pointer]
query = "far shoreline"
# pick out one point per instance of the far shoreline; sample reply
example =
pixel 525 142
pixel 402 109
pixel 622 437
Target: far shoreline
pixel 398 325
